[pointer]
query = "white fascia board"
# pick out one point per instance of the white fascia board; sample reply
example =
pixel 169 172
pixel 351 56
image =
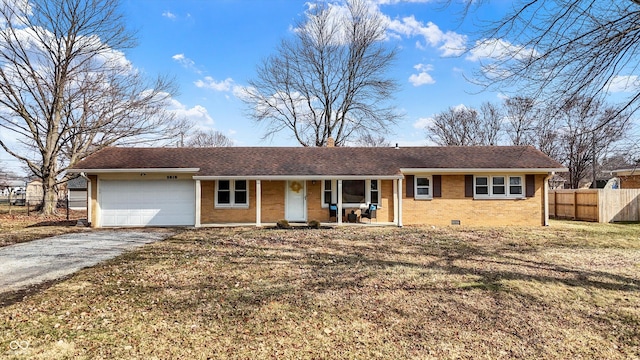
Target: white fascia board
pixel 123 171
pixel 625 172
pixel 301 177
pixel 483 171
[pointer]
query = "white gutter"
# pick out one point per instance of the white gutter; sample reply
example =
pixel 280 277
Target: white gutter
pixel 136 170
pixel 482 170
pixel 300 177
pixel 625 172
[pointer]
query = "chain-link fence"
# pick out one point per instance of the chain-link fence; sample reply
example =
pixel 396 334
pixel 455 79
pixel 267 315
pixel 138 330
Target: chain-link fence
pixel 22 203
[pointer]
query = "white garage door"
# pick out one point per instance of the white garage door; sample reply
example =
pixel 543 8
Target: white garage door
pixel 147 203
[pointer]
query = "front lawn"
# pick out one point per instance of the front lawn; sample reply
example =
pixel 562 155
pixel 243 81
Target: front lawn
pixel 571 290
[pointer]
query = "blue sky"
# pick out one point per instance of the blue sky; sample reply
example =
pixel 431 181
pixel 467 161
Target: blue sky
pixel 212 47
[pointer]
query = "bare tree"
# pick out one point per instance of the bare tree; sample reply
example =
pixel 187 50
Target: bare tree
pixel 587 129
pixel 370 140
pixel 521 115
pixel 66 88
pixel 552 50
pixel 491 118
pixel 464 126
pixel 209 138
pixel 330 79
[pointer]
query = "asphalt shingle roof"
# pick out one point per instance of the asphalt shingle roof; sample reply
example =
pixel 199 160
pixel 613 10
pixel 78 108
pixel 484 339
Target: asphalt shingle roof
pixel 310 161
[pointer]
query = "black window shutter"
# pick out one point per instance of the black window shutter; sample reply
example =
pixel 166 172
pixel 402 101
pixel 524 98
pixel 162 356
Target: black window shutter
pixel 468 185
pixel 437 186
pixel 530 182
pixel 409 179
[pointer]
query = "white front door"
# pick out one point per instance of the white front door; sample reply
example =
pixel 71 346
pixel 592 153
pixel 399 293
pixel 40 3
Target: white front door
pixel 296 201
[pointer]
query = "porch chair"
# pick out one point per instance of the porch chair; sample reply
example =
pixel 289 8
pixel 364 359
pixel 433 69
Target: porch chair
pixel 370 213
pixel 333 211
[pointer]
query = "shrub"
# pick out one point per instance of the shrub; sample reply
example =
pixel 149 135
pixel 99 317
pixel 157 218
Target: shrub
pixel 314 224
pixel 283 224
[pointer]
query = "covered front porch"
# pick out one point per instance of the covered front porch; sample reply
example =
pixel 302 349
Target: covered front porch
pixel 299 199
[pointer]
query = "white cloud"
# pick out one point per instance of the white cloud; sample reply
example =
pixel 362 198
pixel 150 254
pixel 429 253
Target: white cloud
pixel 623 83
pixel 449 43
pixel 460 107
pixel 498 49
pixel 169 15
pixel 198 114
pixel 337 13
pixel 422 123
pixel 210 83
pixel 17 11
pixel 423 77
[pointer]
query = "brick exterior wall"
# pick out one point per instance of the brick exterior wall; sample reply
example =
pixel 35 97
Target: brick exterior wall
pixel 453 205
pixel 630 182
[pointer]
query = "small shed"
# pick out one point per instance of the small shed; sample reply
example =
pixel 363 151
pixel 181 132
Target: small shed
pixel 35 193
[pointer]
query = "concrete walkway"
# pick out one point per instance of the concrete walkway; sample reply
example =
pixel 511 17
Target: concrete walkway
pixel 31 263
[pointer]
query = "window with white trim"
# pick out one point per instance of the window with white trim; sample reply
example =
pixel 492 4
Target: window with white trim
pixel 354 192
pixel 515 185
pixel 326 192
pixel 422 185
pixel 232 193
pixel 498 186
pixel 374 192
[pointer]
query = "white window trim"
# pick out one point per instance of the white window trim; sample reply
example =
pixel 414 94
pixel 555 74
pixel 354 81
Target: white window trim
pixel 232 201
pixel 415 187
pixel 334 200
pixel 507 182
pixel 367 194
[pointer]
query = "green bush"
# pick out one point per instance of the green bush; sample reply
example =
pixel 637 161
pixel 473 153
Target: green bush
pixel 283 224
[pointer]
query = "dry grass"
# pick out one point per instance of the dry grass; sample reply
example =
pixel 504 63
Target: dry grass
pixel 568 291
pixel 18 226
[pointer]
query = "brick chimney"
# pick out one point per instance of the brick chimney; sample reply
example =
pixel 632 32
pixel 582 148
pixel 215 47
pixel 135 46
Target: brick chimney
pixel 331 142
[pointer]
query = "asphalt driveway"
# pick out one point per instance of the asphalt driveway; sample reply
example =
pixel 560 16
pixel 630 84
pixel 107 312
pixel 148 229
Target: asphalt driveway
pixel 31 263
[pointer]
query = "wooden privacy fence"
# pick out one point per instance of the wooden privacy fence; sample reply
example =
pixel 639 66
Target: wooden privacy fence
pixel 600 205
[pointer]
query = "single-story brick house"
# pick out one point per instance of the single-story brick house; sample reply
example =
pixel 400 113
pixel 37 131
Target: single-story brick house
pixel 257 185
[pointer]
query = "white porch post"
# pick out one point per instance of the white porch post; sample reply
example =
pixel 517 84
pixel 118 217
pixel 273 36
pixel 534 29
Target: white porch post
pixel 258 203
pixel 546 200
pixel 339 214
pixel 198 203
pixel 89 200
pixel 395 201
pixel 399 194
